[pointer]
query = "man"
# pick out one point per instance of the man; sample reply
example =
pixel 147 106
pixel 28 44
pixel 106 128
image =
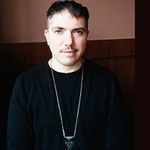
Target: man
pixel 67 102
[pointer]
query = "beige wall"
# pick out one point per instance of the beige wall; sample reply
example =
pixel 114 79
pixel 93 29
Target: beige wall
pixel 25 20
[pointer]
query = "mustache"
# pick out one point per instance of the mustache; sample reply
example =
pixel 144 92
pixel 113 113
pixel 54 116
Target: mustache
pixel 68 49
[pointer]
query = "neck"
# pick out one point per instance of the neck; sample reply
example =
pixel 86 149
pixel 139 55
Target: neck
pixel 65 68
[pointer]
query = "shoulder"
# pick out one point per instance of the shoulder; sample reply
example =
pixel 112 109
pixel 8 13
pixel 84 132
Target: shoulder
pixel 99 71
pixel 36 72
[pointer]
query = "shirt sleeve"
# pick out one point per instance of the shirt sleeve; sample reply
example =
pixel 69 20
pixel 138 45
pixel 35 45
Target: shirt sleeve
pixel 116 134
pixel 19 130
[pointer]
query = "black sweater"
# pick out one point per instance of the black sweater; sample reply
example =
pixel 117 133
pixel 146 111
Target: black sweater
pixel 34 122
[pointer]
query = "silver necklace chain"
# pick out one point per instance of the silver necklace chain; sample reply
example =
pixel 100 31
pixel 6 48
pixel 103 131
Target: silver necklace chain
pixel 59 108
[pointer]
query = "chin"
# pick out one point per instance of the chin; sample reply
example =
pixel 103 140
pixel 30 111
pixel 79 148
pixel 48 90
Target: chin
pixel 69 62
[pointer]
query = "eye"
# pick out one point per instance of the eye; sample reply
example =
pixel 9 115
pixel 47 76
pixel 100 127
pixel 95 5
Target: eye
pixel 79 32
pixel 58 31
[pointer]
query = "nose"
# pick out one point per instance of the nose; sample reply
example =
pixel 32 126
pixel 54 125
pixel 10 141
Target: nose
pixel 68 39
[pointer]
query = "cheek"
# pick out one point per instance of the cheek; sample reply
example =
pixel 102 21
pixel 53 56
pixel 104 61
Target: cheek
pixel 56 41
pixel 55 44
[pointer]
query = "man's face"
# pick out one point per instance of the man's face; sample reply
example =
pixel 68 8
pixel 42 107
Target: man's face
pixel 67 38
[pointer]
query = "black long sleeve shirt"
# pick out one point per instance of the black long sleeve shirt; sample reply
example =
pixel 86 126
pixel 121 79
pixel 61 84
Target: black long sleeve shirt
pixel 34 121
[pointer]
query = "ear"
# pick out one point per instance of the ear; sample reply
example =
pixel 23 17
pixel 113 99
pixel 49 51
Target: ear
pixel 46 36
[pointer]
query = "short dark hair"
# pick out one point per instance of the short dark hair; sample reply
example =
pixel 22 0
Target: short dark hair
pixel 76 9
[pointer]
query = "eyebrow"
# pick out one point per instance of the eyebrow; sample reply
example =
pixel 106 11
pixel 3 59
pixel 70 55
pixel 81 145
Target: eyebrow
pixel 61 28
pixel 80 28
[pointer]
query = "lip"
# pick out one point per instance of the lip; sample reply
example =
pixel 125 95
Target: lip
pixel 69 52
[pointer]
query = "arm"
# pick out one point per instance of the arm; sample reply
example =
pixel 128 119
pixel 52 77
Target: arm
pixel 116 135
pixel 19 129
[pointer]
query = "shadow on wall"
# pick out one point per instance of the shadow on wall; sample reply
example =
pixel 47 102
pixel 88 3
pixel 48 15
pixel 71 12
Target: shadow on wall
pixel 8 74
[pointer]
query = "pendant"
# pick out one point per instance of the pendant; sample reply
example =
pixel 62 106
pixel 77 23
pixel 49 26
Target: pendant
pixel 69 142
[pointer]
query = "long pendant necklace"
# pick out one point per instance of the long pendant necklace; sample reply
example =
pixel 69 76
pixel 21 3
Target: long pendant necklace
pixel 68 140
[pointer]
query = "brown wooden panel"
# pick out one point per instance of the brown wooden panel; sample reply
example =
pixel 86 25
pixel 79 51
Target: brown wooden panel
pixel 25 53
pixel 33 53
pixel 110 48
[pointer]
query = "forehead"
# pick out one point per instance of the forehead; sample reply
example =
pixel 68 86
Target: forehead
pixel 66 20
